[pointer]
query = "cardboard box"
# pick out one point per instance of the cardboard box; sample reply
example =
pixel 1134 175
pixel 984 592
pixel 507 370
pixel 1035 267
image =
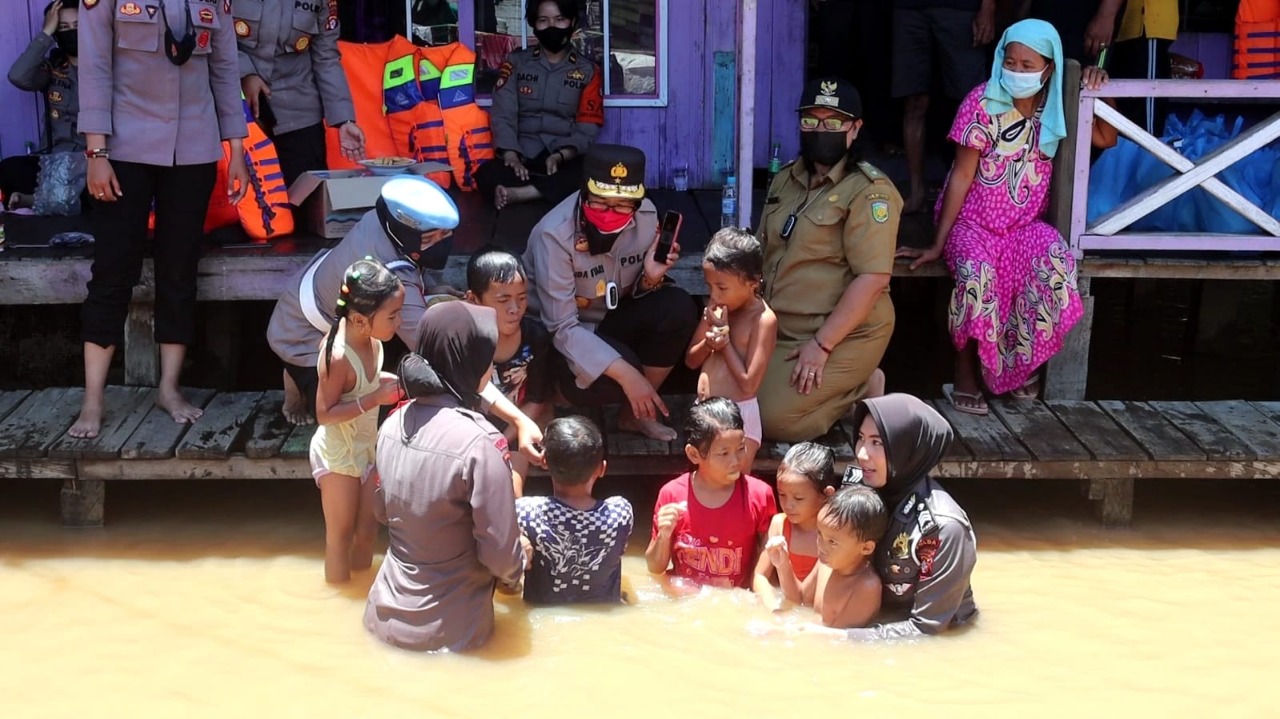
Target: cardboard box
pixel 331 202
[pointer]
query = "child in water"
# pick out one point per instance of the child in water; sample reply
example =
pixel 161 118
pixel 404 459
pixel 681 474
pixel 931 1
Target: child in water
pixel 709 524
pixel 738 331
pixel 578 541
pixel 806 480
pixel 498 280
pixel 848 590
pixel 352 386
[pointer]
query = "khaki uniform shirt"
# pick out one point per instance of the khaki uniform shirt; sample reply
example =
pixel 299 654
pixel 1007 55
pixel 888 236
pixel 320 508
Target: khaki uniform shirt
pixel 33 71
pixel 847 226
pixel 293 46
pixel 155 112
pixel 570 285
pixel 539 107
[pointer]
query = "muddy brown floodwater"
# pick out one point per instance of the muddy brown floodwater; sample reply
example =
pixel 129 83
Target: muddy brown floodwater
pixel 207 599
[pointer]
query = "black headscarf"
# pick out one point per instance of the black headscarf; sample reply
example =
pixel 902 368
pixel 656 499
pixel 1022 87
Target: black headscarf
pixel 915 437
pixel 456 344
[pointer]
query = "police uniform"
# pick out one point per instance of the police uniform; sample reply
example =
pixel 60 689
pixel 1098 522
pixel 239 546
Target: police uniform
pixel 164 125
pixel 293 46
pixel 539 108
pixel 57 78
pixel 305 311
pixel 845 227
pixel 594 305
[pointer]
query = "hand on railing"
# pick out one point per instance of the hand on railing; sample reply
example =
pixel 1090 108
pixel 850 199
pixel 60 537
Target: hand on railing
pixel 1092 78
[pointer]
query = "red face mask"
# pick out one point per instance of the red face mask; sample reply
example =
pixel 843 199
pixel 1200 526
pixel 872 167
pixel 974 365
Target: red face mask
pixel 607 221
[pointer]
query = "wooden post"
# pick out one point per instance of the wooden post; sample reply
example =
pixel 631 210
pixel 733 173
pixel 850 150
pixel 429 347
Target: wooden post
pixel 1066 374
pixel 1115 507
pixel 83 502
pixel 746 108
pixel 722 127
pixel 141 356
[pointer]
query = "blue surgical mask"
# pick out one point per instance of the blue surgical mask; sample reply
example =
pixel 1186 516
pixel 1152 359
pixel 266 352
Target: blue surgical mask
pixel 1021 84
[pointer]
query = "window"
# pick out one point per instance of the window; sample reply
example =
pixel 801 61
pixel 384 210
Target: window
pixel 631 33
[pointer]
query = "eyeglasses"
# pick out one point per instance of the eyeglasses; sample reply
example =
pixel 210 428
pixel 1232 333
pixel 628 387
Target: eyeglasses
pixel 829 124
pixel 602 206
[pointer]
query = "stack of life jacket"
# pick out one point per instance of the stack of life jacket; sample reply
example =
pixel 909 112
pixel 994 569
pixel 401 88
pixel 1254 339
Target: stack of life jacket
pixel 416 102
pixel 1257 55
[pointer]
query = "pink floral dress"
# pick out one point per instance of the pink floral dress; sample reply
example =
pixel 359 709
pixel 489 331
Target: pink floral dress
pixel 1015 276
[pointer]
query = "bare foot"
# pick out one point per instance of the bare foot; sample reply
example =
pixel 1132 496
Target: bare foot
pixel 650 428
pixel 500 197
pixel 89 423
pixel 182 411
pixel 295 405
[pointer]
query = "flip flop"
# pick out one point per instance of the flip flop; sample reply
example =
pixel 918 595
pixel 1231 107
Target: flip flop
pixel 982 410
pixel 1023 394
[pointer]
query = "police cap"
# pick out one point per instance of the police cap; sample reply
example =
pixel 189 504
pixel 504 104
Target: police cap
pixel 419 204
pixel 832 93
pixel 615 171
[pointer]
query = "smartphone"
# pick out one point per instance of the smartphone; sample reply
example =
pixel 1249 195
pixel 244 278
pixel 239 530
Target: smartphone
pixel 670 230
pixel 266 116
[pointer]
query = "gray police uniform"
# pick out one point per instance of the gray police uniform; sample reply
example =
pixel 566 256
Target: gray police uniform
pixel 293 46
pixel 58 81
pixel 539 108
pixel 164 124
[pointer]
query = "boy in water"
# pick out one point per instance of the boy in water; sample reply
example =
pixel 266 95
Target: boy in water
pixel 847 592
pixel 578 541
pixel 738 331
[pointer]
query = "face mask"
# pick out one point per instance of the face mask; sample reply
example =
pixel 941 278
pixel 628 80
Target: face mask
pixel 178 51
pixel 66 40
pixel 553 39
pixel 602 228
pixel 436 256
pixel 408 240
pixel 1021 84
pixel 823 148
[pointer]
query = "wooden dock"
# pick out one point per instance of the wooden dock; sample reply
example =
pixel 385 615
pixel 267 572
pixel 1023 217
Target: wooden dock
pixel 242 435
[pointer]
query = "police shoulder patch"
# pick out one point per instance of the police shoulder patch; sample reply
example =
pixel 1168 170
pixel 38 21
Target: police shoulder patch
pixel 880 211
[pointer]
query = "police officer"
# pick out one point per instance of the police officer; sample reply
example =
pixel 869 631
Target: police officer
pixel 829 230
pixel 619 323
pixel 409 231
pixel 292 76
pixel 54 74
pixel 158 96
pixel 548 107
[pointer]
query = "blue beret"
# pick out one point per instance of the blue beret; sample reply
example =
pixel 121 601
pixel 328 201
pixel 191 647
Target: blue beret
pixel 420 203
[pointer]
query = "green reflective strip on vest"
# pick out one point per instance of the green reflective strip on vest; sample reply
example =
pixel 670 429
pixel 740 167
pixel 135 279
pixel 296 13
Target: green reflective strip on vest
pixel 427 71
pixel 457 75
pixel 397 72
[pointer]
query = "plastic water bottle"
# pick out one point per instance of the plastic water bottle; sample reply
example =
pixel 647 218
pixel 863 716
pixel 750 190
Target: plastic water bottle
pixel 729 203
pixel 775 161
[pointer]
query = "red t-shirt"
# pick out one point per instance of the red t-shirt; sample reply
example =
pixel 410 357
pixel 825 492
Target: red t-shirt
pixel 717 546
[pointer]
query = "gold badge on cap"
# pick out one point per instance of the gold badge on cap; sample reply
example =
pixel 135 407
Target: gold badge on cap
pixel 828 96
pixel 619 171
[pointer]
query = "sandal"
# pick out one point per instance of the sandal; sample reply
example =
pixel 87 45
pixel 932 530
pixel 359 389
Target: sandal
pixel 1028 392
pixel 976 401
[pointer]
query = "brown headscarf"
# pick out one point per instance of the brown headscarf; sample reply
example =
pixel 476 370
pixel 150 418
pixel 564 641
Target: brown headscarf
pixel 915 437
pixel 456 344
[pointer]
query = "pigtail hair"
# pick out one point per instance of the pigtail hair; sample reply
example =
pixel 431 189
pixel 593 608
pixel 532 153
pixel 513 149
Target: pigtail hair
pixel 366 285
pixel 340 314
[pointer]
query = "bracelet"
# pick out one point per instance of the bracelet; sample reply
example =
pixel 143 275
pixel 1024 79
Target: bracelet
pixel 818 342
pixel 359 406
pixel 101 152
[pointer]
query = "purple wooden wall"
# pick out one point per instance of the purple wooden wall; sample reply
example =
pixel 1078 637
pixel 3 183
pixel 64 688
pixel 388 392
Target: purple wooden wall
pixel 20 121
pixel 1213 50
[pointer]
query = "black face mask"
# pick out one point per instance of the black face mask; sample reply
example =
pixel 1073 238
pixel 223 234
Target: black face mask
pixel 823 148
pixel 178 51
pixel 67 42
pixel 554 39
pixel 409 241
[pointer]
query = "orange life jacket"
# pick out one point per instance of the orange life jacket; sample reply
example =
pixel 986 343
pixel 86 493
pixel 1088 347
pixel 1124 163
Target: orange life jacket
pixel 417 102
pixel 1257 55
pixel 264 211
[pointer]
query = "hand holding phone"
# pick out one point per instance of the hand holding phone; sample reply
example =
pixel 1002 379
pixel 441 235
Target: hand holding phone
pixel 671 223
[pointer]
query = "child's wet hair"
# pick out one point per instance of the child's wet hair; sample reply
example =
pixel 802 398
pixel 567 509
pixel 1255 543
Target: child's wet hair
pixel 813 462
pixel 491 265
pixel 366 285
pixel 574 450
pixel 734 249
pixel 707 419
pixel 860 508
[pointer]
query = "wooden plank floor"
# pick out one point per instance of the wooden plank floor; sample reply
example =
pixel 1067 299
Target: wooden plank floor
pixel 242 435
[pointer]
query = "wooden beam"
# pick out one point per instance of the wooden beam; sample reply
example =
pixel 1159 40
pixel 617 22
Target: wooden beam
pixel 83 503
pixel 747 19
pixel 1235 90
pixel 141 353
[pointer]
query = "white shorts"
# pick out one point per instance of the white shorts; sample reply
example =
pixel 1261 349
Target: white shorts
pixel 751 427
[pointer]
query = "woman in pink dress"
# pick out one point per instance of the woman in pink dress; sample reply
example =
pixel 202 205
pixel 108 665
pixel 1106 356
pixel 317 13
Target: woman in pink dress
pixel 1015 297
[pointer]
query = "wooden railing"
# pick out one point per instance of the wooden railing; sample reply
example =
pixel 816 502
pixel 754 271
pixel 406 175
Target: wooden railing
pixel 1108 232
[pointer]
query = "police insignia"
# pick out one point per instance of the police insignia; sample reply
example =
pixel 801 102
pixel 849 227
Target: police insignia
pixel 152 10
pixel 55 96
pixel 526 90
pixel 130 9
pixel 54 114
pixel 504 448
pixel 600 287
pixel 901 548
pixel 242 28
pixel 926 550
pixel 582 302
pixel 331 24
pixel 226 6
pixel 880 211
pixel 202 40
pixel 577 75
pixel 206 16
pixel 90 4
pixel 302 44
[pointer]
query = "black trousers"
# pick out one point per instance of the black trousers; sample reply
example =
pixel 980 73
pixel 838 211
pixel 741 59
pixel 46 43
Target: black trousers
pixel 554 188
pixel 648 331
pixel 181 195
pixel 1138 59
pixel 301 151
pixel 19 174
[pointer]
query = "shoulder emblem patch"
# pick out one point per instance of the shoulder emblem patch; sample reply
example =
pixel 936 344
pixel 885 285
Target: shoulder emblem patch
pixel 504 448
pixel 880 211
